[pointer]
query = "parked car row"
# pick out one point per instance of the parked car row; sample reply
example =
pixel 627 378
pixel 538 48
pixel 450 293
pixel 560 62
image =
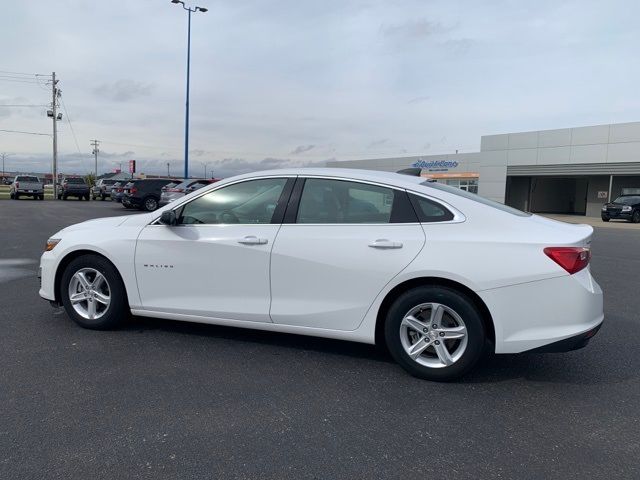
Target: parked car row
pixel 151 193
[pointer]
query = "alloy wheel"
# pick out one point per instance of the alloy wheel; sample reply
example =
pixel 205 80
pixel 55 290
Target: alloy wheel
pixel 89 293
pixel 433 335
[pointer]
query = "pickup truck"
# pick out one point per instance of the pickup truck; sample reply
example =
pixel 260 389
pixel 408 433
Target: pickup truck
pixel 26 186
pixel 74 187
pixel 102 189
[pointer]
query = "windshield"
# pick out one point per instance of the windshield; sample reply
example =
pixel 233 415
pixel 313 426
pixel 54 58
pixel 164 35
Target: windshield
pixel 476 198
pixel 627 200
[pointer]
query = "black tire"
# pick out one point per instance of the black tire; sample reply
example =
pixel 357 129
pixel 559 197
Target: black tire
pixel 16 196
pixel 605 219
pixel 64 197
pixel 635 218
pixel 117 311
pixel 93 198
pixel 41 197
pixel 102 197
pixel 12 196
pixel 86 197
pixel 460 304
pixel 150 204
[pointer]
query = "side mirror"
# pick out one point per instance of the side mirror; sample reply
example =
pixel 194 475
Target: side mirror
pixel 168 218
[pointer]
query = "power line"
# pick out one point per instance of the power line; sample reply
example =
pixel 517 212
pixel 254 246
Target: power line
pixel 28 74
pixel 26 133
pixel 64 107
pixel 14 105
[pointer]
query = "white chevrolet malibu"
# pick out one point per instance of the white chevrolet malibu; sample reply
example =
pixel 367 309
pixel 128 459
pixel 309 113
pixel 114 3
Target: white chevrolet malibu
pixel 436 274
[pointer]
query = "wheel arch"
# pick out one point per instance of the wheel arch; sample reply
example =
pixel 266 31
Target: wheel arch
pixel 71 256
pixel 402 287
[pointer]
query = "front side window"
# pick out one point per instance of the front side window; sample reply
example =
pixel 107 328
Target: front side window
pixel 250 202
pixel 339 201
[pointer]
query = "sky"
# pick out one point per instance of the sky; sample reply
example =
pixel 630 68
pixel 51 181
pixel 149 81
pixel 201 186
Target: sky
pixel 278 83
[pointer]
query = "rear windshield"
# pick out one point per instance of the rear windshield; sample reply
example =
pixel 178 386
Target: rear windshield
pixel 74 180
pixel 108 182
pixel 627 200
pixel 476 198
pixel 27 179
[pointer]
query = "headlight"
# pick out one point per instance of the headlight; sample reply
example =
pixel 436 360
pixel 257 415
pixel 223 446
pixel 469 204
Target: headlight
pixel 51 244
pixel 604 208
pixel 626 208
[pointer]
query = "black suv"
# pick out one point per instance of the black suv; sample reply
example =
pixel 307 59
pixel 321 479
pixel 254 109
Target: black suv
pixel 144 194
pixel 626 207
pixel 74 187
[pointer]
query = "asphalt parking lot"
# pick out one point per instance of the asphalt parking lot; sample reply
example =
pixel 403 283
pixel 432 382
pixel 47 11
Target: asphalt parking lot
pixel 162 399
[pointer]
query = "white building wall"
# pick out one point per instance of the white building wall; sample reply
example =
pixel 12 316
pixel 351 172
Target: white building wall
pixel 598 144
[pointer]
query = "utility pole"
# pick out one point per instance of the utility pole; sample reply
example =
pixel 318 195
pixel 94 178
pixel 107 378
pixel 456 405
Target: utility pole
pixel 3 172
pixel 168 172
pixel 54 101
pixel 94 144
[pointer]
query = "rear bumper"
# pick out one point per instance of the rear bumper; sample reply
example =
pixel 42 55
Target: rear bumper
pixel 568 344
pixel 533 315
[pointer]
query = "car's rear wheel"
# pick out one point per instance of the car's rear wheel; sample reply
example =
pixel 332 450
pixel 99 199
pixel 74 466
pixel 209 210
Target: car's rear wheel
pixel 93 294
pixel 150 204
pixel 605 219
pixel 435 333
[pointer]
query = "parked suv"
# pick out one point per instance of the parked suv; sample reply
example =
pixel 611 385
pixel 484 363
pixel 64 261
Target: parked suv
pixel 74 187
pixel 626 207
pixel 144 194
pixel 26 186
pixel 102 189
pixel 169 194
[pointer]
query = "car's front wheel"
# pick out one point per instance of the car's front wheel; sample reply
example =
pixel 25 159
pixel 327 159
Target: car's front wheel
pixel 93 294
pixel 435 333
pixel 635 218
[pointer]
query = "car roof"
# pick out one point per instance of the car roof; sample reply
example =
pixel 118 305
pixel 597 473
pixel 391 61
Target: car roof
pixel 390 178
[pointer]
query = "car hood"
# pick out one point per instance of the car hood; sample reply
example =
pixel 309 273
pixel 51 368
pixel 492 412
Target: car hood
pixel 107 222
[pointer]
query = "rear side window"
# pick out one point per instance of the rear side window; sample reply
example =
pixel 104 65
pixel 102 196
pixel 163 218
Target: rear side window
pixel 339 201
pixel 430 211
pixel 476 198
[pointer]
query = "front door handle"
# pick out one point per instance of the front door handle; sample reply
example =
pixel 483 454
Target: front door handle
pixel 252 240
pixel 383 243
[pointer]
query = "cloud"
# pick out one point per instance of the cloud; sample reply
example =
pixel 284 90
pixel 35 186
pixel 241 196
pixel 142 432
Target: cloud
pixel 420 99
pixel 301 149
pixel 124 90
pixel 377 143
pixel 414 29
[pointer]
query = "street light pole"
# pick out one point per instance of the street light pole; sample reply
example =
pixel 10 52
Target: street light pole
pixel 186 120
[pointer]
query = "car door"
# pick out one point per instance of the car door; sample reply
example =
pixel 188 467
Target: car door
pixel 340 244
pixel 215 261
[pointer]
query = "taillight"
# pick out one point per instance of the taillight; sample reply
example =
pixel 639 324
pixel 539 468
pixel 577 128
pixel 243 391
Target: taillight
pixel 572 259
pixel 175 190
pixel 17 184
pixel 133 190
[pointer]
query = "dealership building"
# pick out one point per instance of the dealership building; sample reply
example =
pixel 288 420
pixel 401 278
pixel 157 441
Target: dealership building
pixel 570 170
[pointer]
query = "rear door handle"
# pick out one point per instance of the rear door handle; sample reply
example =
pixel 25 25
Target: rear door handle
pixel 383 243
pixel 252 240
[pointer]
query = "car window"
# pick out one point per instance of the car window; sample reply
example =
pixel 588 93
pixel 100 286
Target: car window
pixel 74 180
pixel 340 201
pixel 249 202
pixel 476 198
pixel 430 211
pixel 27 179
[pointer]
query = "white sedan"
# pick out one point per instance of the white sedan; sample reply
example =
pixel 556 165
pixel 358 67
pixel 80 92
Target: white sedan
pixel 436 274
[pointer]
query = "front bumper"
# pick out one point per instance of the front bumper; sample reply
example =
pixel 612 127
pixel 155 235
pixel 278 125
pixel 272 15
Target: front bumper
pixel 615 216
